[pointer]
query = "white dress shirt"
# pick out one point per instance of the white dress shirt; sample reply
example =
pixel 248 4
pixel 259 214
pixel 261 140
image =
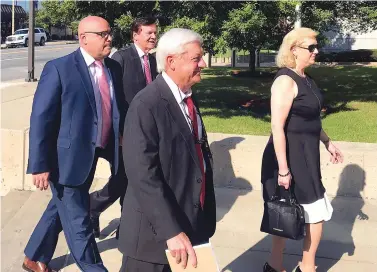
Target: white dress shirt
pixel 94 70
pixel 141 57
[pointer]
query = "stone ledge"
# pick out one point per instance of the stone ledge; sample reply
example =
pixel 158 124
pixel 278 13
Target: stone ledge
pixel 237 160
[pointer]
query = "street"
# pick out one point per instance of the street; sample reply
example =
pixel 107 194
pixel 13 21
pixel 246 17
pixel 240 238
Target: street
pixel 14 61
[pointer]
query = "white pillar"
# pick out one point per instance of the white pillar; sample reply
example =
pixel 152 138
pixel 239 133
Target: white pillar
pixel 298 15
pixel 13 17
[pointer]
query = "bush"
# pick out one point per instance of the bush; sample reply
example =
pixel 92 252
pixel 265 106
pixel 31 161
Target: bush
pixel 362 55
pixel 55 37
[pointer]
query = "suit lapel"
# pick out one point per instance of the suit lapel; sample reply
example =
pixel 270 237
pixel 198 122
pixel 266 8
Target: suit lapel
pixel 153 65
pixel 115 82
pixel 85 77
pixel 136 63
pixel 205 148
pixel 176 114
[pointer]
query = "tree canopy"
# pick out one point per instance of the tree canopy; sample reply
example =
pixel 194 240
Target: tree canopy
pixel 243 25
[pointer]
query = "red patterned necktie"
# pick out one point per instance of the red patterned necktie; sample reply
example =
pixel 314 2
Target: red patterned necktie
pixel 105 103
pixel 147 70
pixel 194 121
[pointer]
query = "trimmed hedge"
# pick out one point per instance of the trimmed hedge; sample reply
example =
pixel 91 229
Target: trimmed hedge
pixel 362 55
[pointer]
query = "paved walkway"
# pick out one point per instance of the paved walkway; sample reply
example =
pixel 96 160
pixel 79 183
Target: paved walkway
pixel 348 244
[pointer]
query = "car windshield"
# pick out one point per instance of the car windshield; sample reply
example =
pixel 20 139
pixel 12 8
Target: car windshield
pixel 22 31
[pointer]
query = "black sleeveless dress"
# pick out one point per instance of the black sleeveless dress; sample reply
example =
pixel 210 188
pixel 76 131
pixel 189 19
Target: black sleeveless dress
pixel 302 129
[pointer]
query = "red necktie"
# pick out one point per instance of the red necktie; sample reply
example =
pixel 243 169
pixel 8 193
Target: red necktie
pixel 194 120
pixel 147 70
pixel 105 103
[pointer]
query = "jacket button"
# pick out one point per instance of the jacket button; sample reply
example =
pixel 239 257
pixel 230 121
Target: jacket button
pixel 199 180
pixel 93 143
pixel 95 123
pixel 197 205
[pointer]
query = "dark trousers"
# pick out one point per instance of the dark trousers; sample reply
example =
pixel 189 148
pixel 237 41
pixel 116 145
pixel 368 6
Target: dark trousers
pixel 132 265
pixel 114 189
pixel 68 210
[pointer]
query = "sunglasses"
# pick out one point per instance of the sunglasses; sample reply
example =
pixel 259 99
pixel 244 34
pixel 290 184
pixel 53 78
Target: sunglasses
pixel 311 47
pixel 103 34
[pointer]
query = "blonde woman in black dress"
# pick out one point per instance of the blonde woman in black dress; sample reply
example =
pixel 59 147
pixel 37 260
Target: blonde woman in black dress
pixel 292 156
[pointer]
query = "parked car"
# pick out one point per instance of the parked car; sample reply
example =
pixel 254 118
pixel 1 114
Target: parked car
pixel 21 37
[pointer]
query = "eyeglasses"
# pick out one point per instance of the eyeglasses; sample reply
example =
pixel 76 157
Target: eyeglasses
pixel 103 34
pixel 311 47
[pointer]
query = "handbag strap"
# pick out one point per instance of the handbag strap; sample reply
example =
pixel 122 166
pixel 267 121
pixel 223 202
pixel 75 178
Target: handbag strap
pixel 291 196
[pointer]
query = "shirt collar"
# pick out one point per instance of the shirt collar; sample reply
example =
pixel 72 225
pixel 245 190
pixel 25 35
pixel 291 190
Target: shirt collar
pixel 178 94
pixel 89 60
pixel 139 51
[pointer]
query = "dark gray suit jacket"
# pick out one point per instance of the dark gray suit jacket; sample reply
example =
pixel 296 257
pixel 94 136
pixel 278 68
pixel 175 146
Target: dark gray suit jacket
pixel 133 74
pixel 164 176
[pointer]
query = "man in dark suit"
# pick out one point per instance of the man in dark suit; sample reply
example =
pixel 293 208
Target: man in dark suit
pixel 170 200
pixel 138 65
pixel 139 68
pixel 78 110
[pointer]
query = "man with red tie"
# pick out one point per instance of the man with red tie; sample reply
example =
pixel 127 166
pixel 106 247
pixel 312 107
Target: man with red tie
pixel 139 68
pixel 77 116
pixel 170 200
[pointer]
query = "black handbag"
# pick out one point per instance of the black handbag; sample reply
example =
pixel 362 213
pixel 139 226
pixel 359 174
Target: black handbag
pixel 283 217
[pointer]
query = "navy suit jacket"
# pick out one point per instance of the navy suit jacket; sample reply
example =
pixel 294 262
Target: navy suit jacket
pixel 63 122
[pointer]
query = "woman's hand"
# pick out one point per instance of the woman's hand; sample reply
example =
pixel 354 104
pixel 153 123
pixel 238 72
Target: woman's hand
pixel 284 179
pixel 335 155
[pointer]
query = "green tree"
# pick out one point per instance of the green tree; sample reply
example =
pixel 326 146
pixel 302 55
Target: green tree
pixel 48 16
pixel 247 25
pixel 69 16
pixel 201 27
pixel 204 17
pixel 122 31
pixel 248 28
pixel 60 14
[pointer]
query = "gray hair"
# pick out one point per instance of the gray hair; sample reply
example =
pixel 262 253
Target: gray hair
pixel 173 42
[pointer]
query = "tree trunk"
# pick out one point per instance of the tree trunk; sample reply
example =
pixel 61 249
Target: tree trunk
pixel 257 53
pixel 252 59
pixel 233 58
pixel 209 64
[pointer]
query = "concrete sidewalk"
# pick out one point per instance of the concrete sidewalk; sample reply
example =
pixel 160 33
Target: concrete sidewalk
pixel 348 244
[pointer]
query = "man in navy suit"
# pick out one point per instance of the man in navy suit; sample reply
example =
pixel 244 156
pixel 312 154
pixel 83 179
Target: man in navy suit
pixel 77 116
pixel 139 68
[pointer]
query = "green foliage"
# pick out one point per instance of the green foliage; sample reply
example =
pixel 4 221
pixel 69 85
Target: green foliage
pixel 243 25
pixel 48 15
pixel 244 29
pixel 349 56
pixel 58 14
pixel 201 27
pixel 122 30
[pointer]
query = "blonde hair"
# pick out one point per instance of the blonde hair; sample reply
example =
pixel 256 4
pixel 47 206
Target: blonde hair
pixel 285 57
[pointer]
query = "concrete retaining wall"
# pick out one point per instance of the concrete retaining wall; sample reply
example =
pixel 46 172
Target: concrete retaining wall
pixel 237 161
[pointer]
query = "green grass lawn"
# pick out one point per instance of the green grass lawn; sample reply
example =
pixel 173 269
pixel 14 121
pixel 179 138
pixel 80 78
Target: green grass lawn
pixel 350 95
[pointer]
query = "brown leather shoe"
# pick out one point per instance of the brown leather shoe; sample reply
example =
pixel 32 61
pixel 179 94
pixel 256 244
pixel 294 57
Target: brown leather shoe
pixel 32 266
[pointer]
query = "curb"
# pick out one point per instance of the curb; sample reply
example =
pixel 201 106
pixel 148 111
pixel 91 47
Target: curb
pixel 3 46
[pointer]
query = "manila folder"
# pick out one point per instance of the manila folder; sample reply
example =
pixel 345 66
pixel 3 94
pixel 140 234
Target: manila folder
pixel 206 260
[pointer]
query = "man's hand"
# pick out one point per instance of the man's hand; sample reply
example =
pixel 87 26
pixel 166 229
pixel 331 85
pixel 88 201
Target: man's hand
pixel 181 249
pixel 40 180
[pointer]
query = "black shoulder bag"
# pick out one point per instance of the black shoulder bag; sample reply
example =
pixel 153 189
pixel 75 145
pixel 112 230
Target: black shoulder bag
pixel 283 217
